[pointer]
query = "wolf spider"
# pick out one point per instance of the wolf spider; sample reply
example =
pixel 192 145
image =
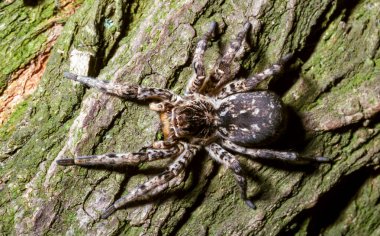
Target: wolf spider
pixel 216 113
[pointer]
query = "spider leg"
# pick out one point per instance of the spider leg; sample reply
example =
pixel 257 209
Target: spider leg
pixel 130 92
pixel 113 159
pixel 197 81
pixel 230 161
pixel 222 72
pixel 272 154
pixel 158 183
pixel 244 85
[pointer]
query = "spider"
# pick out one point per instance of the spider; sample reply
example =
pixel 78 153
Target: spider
pixel 216 113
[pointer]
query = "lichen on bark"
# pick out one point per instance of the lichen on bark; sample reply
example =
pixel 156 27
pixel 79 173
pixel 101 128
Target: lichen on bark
pixel 333 88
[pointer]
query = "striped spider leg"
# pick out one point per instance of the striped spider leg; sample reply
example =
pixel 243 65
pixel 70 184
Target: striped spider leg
pixel 122 159
pixel 196 82
pixel 231 162
pixel 249 84
pixel 126 91
pixel 221 72
pixel 169 178
pixel 272 154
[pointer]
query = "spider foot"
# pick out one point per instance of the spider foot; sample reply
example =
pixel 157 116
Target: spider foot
pixel 212 29
pixel 70 75
pixel 286 58
pixel 66 162
pixel 322 159
pixel 250 204
pixel 247 26
pixel 109 211
pixel 312 159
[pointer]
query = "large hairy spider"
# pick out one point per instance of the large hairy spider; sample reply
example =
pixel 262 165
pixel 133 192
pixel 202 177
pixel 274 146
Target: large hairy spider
pixel 216 112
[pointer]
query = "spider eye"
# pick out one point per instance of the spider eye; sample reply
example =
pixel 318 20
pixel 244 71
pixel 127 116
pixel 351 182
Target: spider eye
pixel 181 120
pixel 191 121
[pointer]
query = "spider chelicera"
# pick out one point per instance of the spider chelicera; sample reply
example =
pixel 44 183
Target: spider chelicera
pixel 216 113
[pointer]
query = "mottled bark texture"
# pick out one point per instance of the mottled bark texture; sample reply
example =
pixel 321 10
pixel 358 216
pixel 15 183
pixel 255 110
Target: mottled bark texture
pixel 332 89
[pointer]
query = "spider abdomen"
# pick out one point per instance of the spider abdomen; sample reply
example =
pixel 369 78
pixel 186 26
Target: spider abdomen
pixel 251 119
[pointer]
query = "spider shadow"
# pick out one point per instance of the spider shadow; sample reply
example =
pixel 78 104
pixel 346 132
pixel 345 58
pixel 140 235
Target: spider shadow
pixel 257 179
pixel 181 191
pixel 129 170
pixel 264 184
pixel 32 3
pixel 293 138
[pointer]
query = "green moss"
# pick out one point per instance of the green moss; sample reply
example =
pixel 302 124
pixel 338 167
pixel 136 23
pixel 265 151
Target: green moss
pixel 355 82
pixel 159 136
pixel 22 38
pixel 7 222
pixel 14 120
pixel 130 230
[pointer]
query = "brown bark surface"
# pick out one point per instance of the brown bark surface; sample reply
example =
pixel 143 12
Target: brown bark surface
pixel 332 90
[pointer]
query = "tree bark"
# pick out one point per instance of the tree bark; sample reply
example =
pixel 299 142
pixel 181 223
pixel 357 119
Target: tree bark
pixel 332 90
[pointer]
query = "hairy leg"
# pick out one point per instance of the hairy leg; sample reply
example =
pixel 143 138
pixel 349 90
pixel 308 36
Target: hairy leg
pixel 271 154
pixel 158 183
pixel 120 159
pixel 130 92
pixel 231 162
pixel 245 85
pixel 195 84
pixel 222 73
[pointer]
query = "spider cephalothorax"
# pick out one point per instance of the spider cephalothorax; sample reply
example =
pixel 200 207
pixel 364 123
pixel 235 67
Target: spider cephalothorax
pixel 216 112
pixel 195 119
